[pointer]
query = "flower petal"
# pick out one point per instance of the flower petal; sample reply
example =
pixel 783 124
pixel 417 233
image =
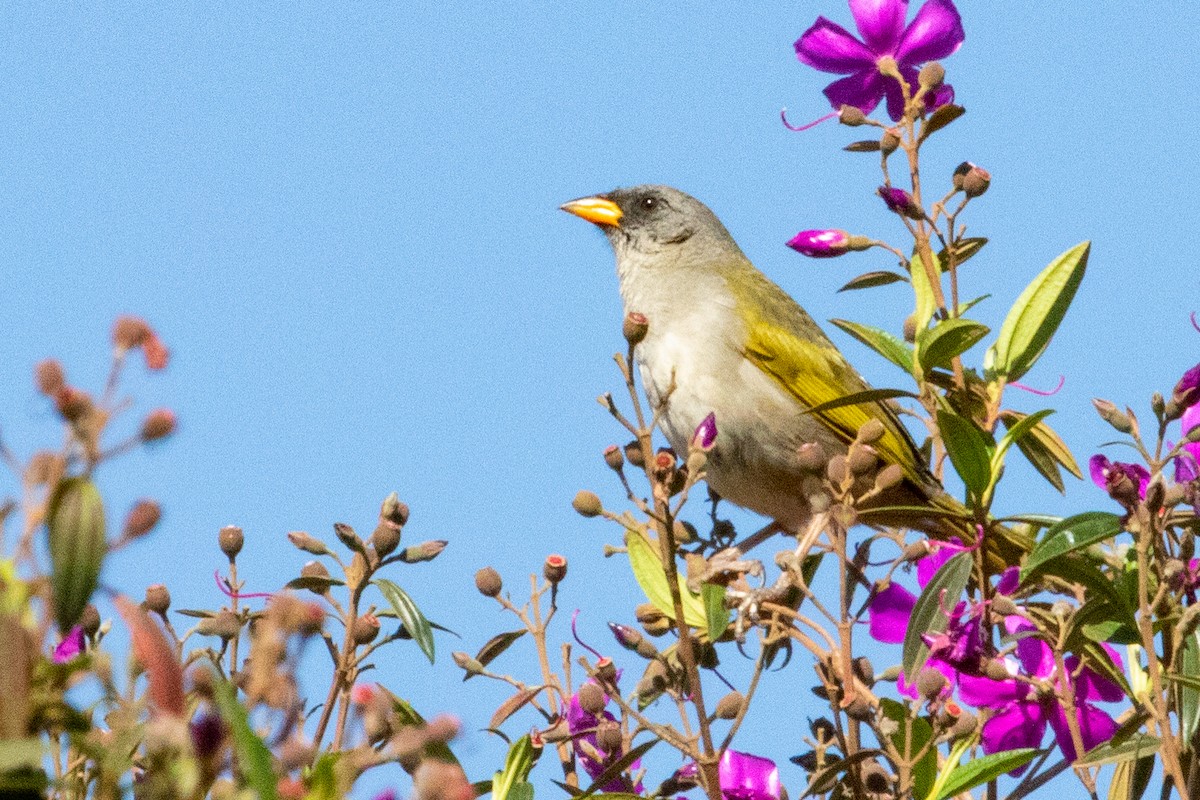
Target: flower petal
pixel 747 777
pixel 939 552
pixel 943 95
pixel 1017 725
pixel 1095 727
pixel 987 693
pixel 889 612
pixel 829 47
pixel 1091 685
pixel 1010 579
pixel 70 646
pixel 910 689
pixel 1036 657
pixel 1098 466
pixel 935 32
pixel 863 90
pixel 895 97
pixel 881 23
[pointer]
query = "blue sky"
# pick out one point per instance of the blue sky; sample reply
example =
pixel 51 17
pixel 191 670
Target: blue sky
pixel 344 223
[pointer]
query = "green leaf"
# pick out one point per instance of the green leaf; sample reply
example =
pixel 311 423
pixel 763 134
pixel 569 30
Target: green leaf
pixel 869 280
pixel 1069 535
pixel 497 645
pixel 717 615
pixel 964 249
pixel 517 765
pixel 314 583
pixel 651 576
pixel 942 116
pixel 942 591
pixel 860 398
pixel 939 345
pixel 969 452
pixel 979 771
pixel 892 348
pixel 410 616
pixel 253 757
pixel 926 301
pixel 1138 746
pixel 1189 686
pixel 322 779
pixel 1076 569
pixel 924 772
pixel 1035 316
pixel 407 715
pixel 75 523
pixel 615 768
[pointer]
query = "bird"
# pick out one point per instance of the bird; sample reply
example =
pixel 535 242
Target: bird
pixel 722 338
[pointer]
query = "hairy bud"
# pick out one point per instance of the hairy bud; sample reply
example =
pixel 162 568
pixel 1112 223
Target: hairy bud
pixel 308 543
pixel 852 116
pixel 158 424
pixel 49 377
pixel 141 519
pixel 634 328
pixel 730 706
pixel 488 582
pixel 230 539
pixel 614 458
pixel 587 504
pixel 591 698
pixel 366 628
pixel 931 76
pixel 158 599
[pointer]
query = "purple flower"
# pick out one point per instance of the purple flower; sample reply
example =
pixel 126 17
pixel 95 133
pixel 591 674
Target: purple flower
pixel 820 244
pixel 934 33
pixel 70 646
pixel 582 726
pixel 705 437
pixel 901 202
pixel 1187 392
pixel 1022 710
pixel 1125 483
pixel 742 777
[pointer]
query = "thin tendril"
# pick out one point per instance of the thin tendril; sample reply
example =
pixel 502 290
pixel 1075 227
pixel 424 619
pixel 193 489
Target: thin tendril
pixel 1194 323
pixel 227 590
pixel 1042 392
pixel 791 127
pixel 583 644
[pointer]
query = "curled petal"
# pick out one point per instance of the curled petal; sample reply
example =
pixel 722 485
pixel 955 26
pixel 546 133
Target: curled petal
pixel 1186 467
pixel 1017 725
pixel 880 22
pixel 1189 420
pixel 941 96
pixel 829 47
pixel 935 32
pixel 1095 727
pixel 889 612
pixel 747 777
pixel 862 90
pixel 987 693
pixel 1098 466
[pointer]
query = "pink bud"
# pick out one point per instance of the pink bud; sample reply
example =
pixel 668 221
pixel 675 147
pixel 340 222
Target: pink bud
pixel 820 244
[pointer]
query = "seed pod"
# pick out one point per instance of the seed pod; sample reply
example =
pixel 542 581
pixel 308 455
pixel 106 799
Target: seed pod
pixel 931 76
pixel 870 432
pixel 634 328
pixel 386 538
pixel 587 504
pixel 554 569
pixel 861 459
pixel 230 539
pixel 889 476
pixel 837 470
pixel 158 599
pixel 608 736
pixel 591 698
pixel 49 377
pixel 488 582
pixel 730 706
pixel 75 521
pixel 930 683
pixel 851 116
pixel 860 710
pixel 812 457
pixel 864 670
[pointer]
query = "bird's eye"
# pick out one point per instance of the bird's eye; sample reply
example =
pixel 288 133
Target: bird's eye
pixel 649 203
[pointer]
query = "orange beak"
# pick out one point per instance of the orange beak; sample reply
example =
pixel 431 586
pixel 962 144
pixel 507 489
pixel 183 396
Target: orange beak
pixel 597 210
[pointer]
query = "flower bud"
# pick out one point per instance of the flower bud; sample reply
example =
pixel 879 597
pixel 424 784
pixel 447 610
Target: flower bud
pixel 658 627
pixel 837 470
pixel 970 179
pixel 1185 394
pixel 314 569
pixel 648 612
pixel 587 504
pixel 705 437
pixel 141 519
pixel 901 202
pixel 812 457
pixel 864 670
pixel 875 778
pixel 965 724
pixel 386 537
pixel 608 736
pixel 308 543
pixel 365 629
pixel 861 459
pixel 931 76
pixel 890 141
pixel 634 454
pixel 347 536
pixel 158 599
pixel 73 404
pixel 230 539
pixel 394 511
pixel 554 569
pixel 89 620
pixel 851 116
pixel 870 432
pixel 614 458
pixel 49 377
pixel 467 664
pixel 634 328
pixel 632 639
pixel 997 670
pixel 606 670
pixel 129 332
pixel 823 730
pixel 425 551
pixel 730 706
pixel 1112 415
pixel 930 683
pixel 592 699
pixel 158 424
pixel 859 709
pixel 1004 606
pixel 225 624
pixel 889 476
pixel 207 734
pixel 820 243
pixel 488 582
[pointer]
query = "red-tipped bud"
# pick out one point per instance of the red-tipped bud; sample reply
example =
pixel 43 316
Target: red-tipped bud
pixel 366 628
pixel 635 327
pixel 74 404
pixel 614 458
pixel 158 599
pixel 901 202
pixel 159 424
pixel 156 352
pixel 49 377
pixel 141 519
pixel 555 568
pixel 970 179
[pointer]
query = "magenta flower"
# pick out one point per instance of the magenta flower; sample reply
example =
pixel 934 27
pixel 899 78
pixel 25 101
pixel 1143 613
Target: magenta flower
pixel 1125 483
pixel 582 726
pixel 1023 710
pixel 742 777
pixel 935 32
pixel 70 646
pixel 820 244
pixel 705 437
pixel 1187 392
pixel 901 202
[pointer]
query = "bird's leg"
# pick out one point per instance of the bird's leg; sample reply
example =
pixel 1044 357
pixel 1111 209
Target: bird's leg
pixel 760 536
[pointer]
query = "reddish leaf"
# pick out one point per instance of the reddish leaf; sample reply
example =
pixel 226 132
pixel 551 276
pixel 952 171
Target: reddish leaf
pixel 157 656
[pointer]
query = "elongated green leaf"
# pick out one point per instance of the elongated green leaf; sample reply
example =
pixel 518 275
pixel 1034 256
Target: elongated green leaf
pixel 1137 746
pixel 942 591
pixel 323 779
pixel 650 575
pixel 979 771
pixel 615 769
pixel 1190 681
pixel 969 452
pixel 408 613
pixel 1076 569
pixel 517 764
pixel 1014 434
pixel 964 249
pixel 926 300
pixel 924 771
pixel 859 398
pixel 893 348
pixel 1035 316
pixel 869 280
pixel 715 612
pixel 939 345
pixel 75 524
pixel 253 757
pixel 1189 690
pixel 1073 533
pixel 497 645
pixel 863 146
